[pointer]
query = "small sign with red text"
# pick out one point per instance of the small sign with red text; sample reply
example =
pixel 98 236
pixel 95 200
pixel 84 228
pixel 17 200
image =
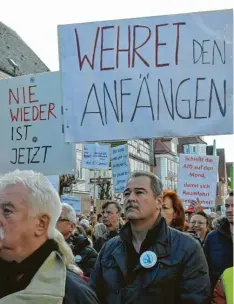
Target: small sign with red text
pixel 198 179
pixel 31 129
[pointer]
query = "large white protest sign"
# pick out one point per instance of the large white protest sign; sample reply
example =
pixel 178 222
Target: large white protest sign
pixel 120 167
pixel 198 179
pixel 31 126
pixel 148 77
pixel 96 156
pixel 74 201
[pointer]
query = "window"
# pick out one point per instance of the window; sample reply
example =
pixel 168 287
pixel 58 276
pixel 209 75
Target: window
pixel 173 147
pixel 186 149
pixel 164 171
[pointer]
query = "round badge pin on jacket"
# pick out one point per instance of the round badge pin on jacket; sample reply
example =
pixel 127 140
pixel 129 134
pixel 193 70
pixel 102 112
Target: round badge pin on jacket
pixel 148 259
pixel 78 258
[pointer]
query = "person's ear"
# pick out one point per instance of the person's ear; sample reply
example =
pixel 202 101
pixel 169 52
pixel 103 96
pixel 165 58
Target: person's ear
pixel 159 201
pixel 73 226
pixel 42 224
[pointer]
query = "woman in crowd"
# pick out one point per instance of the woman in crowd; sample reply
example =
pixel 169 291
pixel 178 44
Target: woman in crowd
pixel 85 255
pixel 173 210
pixel 200 223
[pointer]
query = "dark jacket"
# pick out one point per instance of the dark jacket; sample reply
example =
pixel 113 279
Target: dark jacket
pixel 218 249
pixel 180 275
pixel 98 243
pixel 85 255
pixel 77 291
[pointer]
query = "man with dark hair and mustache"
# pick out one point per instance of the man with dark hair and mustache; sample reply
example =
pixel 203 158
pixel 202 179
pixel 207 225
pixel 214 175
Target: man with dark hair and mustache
pixel 149 262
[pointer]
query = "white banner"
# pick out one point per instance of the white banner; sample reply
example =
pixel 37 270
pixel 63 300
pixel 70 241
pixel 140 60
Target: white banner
pixel 198 179
pixel 96 156
pixel 148 77
pixel 74 201
pixel 31 135
pixel 120 167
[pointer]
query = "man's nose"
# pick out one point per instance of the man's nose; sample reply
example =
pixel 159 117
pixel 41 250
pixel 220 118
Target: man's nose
pixel 132 197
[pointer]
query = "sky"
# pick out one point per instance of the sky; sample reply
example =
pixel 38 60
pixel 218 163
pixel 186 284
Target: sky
pixel 36 22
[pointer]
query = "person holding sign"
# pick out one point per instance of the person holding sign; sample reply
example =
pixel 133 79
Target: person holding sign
pixel 149 262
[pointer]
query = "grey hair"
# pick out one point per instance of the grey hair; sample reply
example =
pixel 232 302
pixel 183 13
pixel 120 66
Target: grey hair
pixel 70 213
pixel 99 230
pixel 219 222
pixel 156 184
pixel 66 253
pixel 42 197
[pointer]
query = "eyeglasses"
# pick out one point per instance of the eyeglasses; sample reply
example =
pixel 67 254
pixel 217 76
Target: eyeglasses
pixel 63 220
pixel 198 223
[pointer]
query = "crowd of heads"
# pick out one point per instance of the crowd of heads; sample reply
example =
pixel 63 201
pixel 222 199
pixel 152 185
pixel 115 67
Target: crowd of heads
pixel 27 197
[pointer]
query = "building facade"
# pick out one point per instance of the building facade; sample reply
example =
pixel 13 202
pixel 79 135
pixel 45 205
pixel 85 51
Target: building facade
pixel 192 145
pixel 167 162
pixel 88 180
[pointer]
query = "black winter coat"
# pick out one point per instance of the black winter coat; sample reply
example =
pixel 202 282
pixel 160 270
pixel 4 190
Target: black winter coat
pixel 180 275
pixel 85 255
pixel 77 291
pixel 98 243
pixel 218 248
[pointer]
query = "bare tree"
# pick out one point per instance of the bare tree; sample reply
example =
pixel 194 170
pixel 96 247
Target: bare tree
pixel 105 190
pixel 67 181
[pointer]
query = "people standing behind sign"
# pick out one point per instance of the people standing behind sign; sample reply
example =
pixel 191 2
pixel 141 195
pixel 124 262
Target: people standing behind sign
pixel 194 207
pixel 173 210
pixel 200 223
pixel 219 244
pixel 35 259
pixel 111 212
pixel 150 262
pixel 85 255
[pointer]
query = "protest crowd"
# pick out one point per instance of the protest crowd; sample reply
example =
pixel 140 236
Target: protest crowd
pixel 161 234
pixel 150 250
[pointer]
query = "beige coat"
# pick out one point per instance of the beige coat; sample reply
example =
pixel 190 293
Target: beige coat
pixel 46 287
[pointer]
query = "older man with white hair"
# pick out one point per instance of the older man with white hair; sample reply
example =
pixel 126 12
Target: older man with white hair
pixel 34 258
pixel 66 223
pixel 85 255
